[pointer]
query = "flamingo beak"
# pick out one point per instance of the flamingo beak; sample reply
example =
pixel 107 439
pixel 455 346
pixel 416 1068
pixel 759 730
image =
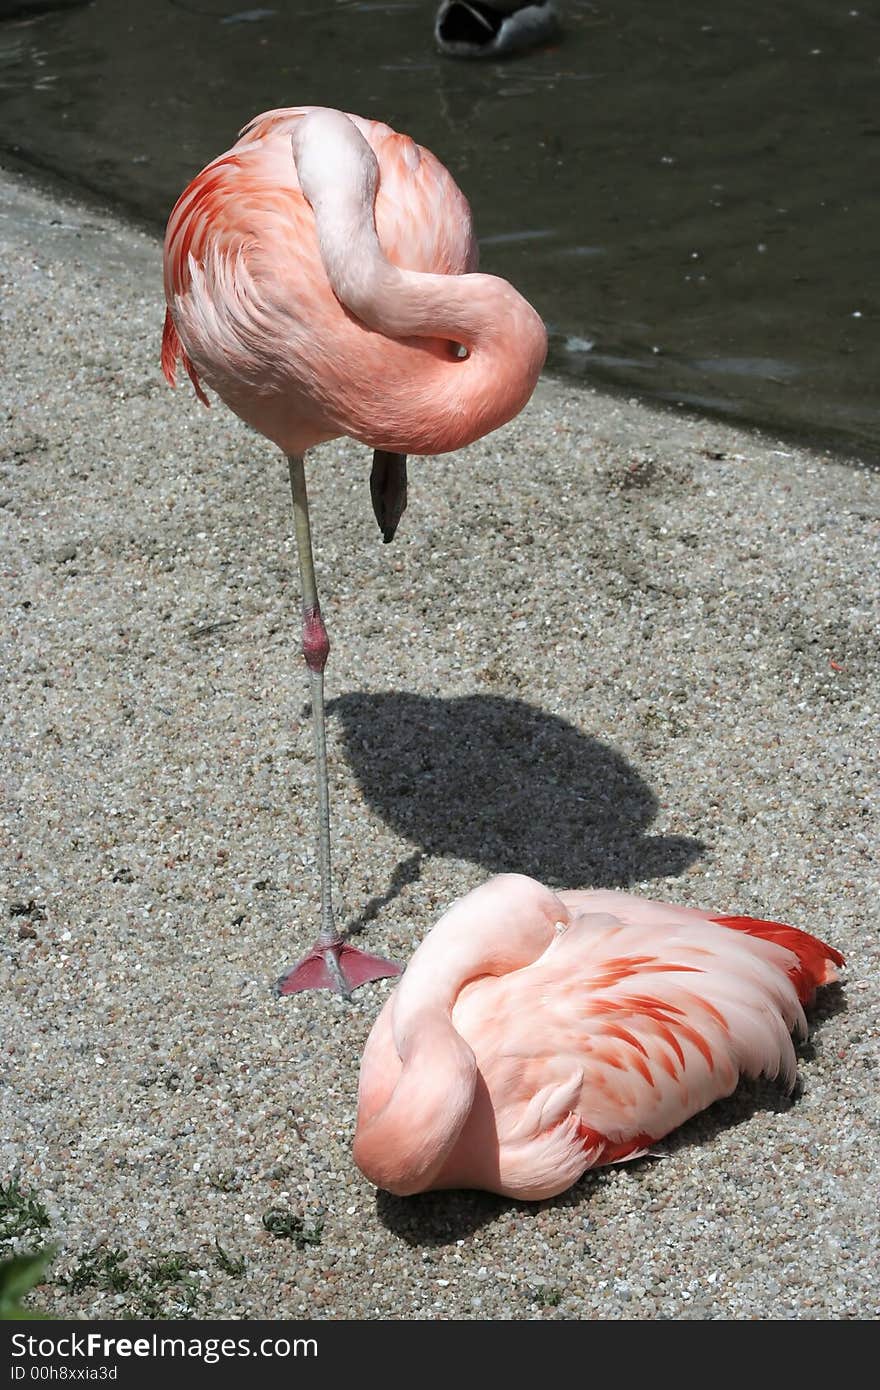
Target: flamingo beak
pixel 388 491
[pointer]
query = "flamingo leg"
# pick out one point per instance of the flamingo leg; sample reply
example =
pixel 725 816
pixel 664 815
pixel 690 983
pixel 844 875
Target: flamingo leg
pixel 332 962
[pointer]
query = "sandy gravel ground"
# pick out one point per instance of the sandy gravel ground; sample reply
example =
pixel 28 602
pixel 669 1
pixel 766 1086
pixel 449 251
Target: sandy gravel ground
pixel 610 645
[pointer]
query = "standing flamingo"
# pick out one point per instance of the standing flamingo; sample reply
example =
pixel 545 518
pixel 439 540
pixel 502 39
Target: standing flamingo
pixel 319 276
pixel 535 1035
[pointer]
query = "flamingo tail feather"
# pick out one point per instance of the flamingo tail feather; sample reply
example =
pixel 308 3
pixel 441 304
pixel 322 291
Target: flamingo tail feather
pixel 173 352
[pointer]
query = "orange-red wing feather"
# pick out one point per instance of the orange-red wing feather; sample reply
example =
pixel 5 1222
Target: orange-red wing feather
pixel 815 959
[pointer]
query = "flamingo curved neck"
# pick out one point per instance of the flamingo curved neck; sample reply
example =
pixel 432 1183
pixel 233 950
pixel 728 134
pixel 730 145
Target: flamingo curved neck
pixel 402 1145
pixel 505 339
pixel 404 1138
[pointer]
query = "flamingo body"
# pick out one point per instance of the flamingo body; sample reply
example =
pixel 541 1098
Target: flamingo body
pixel 535 1035
pixel 322 296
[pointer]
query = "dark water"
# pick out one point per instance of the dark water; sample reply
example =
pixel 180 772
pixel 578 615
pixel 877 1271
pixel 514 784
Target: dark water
pixel 687 192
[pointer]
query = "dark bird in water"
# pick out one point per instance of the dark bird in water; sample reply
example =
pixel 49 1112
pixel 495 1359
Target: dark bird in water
pixel 477 29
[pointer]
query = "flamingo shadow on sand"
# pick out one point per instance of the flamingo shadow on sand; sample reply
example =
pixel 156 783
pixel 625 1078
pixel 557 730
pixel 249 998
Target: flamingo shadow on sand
pixel 431 1220
pixel 502 784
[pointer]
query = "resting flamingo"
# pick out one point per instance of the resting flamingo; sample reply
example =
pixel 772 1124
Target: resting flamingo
pixel 535 1034
pixel 320 278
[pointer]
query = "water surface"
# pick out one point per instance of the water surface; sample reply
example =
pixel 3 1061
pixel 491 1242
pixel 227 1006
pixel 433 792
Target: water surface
pixel 686 192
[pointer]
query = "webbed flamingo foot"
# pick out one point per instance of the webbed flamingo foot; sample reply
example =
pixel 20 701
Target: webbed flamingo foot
pixel 336 965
